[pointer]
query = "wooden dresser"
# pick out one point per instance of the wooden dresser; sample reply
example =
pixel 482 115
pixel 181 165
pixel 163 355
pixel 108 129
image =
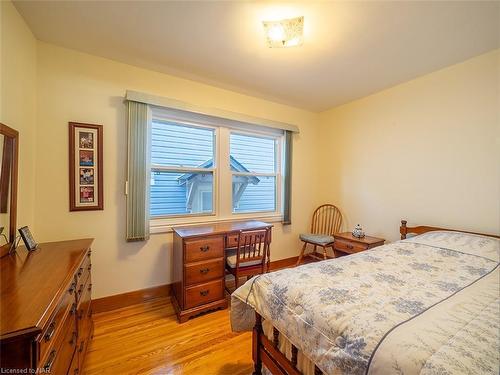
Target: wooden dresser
pixel 46 315
pixel 198 265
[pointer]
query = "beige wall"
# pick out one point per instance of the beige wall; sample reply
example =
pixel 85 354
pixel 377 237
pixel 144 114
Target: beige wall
pixel 74 86
pixel 426 150
pixel 18 100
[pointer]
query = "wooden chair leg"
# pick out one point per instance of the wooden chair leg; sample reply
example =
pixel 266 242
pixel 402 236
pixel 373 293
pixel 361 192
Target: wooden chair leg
pixel 301 255
pixel 324 253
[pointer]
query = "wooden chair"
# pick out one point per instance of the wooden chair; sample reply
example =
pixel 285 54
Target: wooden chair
pixel 251 254
pixel 326 221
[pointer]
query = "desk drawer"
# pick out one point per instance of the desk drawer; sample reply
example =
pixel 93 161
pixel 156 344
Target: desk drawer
pixel 349 247
pixel 206 248
pixel 232 241
pixel 204 293
pixel 202 272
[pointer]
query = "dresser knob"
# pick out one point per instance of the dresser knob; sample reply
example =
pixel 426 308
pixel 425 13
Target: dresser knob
pixel 205 248
pixel 50 331
pixel 204 271
pixel 204 293
pixel 349 246
pixel 50 361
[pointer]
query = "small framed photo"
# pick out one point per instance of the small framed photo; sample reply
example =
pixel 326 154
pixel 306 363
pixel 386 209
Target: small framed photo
pixel 86 194
pixel 86 158
pixel 85 167
pixel 86 176
pixel 28 240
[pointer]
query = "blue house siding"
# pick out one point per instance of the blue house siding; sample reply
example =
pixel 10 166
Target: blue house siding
pixel 178 145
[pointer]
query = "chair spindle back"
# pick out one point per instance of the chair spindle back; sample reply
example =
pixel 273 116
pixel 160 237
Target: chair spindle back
pixel 327 220
pixel 253 245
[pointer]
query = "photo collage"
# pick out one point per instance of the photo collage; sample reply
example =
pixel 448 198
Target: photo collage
pixel 86 162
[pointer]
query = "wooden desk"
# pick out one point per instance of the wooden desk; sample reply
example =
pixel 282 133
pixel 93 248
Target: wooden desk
pixel 198 265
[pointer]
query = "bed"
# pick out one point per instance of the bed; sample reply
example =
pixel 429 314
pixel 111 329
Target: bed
pixel 424 305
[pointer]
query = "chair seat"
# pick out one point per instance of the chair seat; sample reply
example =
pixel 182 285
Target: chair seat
pixel 317 239
pixel 231 261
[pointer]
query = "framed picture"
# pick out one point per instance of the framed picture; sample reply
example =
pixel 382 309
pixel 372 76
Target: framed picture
pixel 28 239
pixel 85 167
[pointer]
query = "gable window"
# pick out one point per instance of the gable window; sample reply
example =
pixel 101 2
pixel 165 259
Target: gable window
pixel 199 169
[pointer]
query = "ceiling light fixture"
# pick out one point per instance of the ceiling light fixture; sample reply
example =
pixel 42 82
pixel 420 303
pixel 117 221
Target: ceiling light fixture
pixel 284 33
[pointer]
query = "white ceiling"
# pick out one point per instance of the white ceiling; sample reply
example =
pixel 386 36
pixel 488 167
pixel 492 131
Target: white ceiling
pixel 351 49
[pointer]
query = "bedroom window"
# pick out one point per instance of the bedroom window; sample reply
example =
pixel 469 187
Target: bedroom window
pixel 199 169
pixel 254 172
pixel 182 169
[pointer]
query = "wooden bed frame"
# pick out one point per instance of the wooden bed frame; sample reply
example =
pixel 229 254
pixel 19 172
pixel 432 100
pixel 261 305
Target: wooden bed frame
pixel 265 352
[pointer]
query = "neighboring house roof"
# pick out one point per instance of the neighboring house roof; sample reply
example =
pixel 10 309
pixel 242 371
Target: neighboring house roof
pixel 234 164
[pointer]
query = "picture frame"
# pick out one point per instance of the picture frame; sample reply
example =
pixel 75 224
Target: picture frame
pixel 28 239
pixel 86 185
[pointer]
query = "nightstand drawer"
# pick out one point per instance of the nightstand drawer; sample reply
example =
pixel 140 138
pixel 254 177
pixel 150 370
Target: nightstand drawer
pixel 207 248
pixel 204 293
pixel 202 272
pixel 348 246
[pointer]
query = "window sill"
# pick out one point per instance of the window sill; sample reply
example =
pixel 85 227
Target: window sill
pixel 165 225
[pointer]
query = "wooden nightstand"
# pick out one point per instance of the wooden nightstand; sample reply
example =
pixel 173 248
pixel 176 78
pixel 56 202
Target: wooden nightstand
pixel 346 243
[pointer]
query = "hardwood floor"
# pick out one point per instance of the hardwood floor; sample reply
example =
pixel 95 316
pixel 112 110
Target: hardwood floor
pixel 146 339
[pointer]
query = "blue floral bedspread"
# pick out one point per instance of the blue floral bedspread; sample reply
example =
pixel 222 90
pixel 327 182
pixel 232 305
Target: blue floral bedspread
pixel 429 304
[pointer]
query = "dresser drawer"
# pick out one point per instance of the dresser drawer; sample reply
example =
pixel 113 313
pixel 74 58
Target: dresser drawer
pixel 204 293
pixel 55 325
pixel 348 246
pixel 83 270
pixel 58 358
pixel 202 272
pixel 207 248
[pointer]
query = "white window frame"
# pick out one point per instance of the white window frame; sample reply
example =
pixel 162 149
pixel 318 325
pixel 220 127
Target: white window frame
pixel 222 175
pixel 278 142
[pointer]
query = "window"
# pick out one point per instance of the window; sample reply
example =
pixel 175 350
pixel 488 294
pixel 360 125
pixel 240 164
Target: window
pixel 253 168
pixel 198 169
pixel 182 169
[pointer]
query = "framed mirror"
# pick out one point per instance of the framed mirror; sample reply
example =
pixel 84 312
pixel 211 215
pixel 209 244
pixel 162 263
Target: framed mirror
pixel 9 150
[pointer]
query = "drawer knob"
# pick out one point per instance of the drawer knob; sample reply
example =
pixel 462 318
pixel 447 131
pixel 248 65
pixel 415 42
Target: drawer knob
pixel 349 246
pixel 205 248
pixel 204 271
pixel 50 361
pixel 50 331
pixel 204 293
pixel 73 338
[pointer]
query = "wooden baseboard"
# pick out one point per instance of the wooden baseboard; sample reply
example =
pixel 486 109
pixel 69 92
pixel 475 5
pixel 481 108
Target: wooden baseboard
pixel 118 301
pixel 284 263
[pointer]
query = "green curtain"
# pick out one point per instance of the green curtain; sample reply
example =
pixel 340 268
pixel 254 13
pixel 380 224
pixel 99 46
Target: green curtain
pixel 138 172
pixel 287 191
